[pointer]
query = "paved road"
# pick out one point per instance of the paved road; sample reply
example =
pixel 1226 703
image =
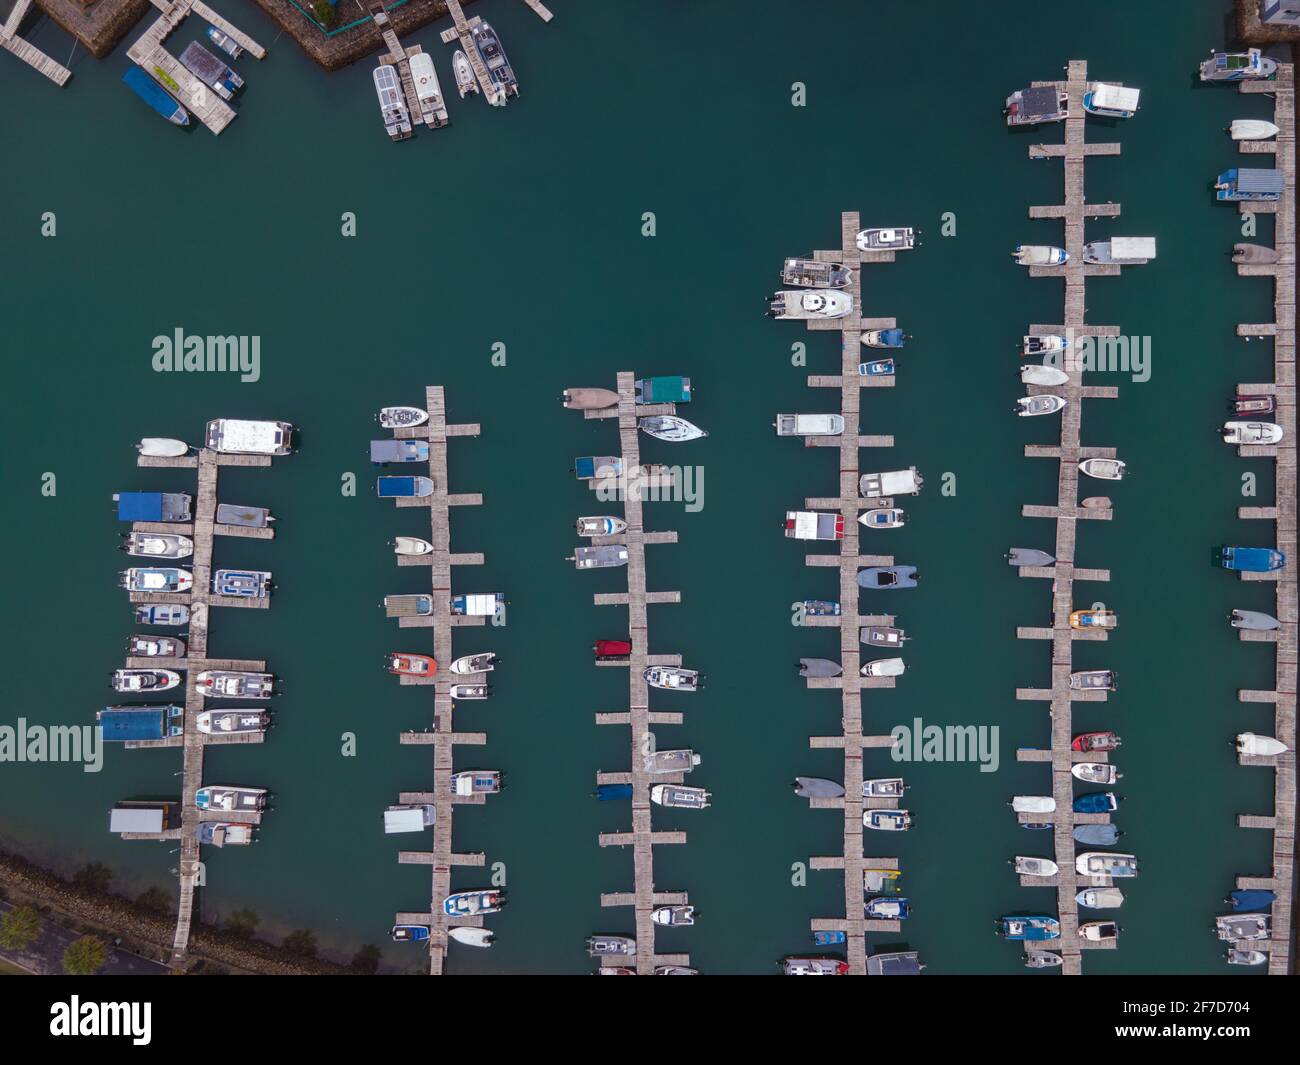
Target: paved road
pixel 45 955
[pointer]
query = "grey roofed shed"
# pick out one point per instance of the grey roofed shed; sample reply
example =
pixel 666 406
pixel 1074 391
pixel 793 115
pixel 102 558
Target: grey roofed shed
pixel 136 819
pixel 1259 181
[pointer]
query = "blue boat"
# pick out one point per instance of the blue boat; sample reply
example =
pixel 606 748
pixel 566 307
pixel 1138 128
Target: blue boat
pixel 153 506
pixel 1036 826
pixel 1237 184
pixel 1029 927
pixel 888 909
pixel 404 487
pixel 878 368
pixel 1251 559
pixel 1251 900
pixel 608 792
pixel 409 933
pixel 589 467
pixel 1096 802
pixel 1096 835
pixel 155 96
pixel 884 338
pixel 663 390
pixel 829 939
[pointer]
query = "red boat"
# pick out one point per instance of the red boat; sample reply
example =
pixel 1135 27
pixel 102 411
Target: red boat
pixel 412 665
pixel 1254 404
pixel 609 650
pixel 1095 741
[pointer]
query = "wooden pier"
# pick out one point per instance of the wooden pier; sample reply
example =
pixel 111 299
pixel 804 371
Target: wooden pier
pixel 443 737
pixel 1283 515
pixel 642 838
pixel 29 53
pixel 1067 513
pixel 203 530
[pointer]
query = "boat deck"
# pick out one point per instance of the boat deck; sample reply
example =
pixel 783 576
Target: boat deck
pixel 27 52
pixel 443 736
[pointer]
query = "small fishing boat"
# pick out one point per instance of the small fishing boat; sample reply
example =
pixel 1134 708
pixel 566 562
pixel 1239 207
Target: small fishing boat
pixel 673 916
pixel 466 83
pixel 670 427
pixel 242 583
pixel 679 795
pixel 1251 129
pixel 882 518
pixel 819 667
pixel 146 579
pixel 1244 252
pixel 162 447
pixel 1254 620
pixel 231 798
pixel 1249 65
pixel 1040 255
pixel 1251 433
pixel 809 424
pixel 792 966
pixel 1095 772
pixel 831 938
pixel 157 545
pixel 1099 931
pixel 876 368
pixel 887 820
pixel 1095 741
pixel 1027 866
pixel 234 684
pixel 225 42
pixel 411 545
pixel 403 487
pixel 811 303
pixel 1251 559
pixel 821 608
pixel 401 417
pixel 1251 899
pixel 1094 619
pixel 611 946
pixel 162 614
pixel 1094 680
pixel 469 936
pixel 1253 404
pixel 419 605
pixel 409 933
pixel 817 788
pixel 1033 374
pixel 882 636
pixel 144 680
pixel 474 903
pixel 883 788
pixel 1042 959
pixel 1261 746
pixel 885 338
pixel 680 761
pixel 888 909
pixel 1096 835
pixel 603 556
pixel 891 238
pixel 155 647
pixel 1110 101
pixel 813 273
pixel 1103 469
pixel 242 516
pixel 1104 863
pixel 461 692
pixel 1032 406
pixel 383 452
pixel 1246 957
pixel 589 398
pixel 603 525
pixel 1096 802
pixel 228 722
pixel 410 665
pixel 1244 926
pixel 1029 556
pixel 1043 344
pixel 1028 927
pixel 884 667
pixel 672 678
pixel 1106 898
pixel 224 834
pixel 1032 804
pixel 484 662
pixel 881 577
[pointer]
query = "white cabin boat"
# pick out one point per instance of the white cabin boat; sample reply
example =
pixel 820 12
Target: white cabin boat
pixel 234 436
pixel 1043 375
pixel 1040 255
pixel 1252 129
pixel 887 238
pixel 1027 866
pixel 809 424
pixel 1263 746
pixel 1110 101
pixel 810 303
pixel 1252 433
pixel 1033 406
pixel 433 109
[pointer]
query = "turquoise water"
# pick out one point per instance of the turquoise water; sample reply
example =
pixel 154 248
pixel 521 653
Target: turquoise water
pixel 523 227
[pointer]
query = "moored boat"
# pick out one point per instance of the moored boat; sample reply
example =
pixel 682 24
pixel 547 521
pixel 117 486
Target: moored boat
pixel 1106 898
pixel 224 834
pixel 155 96
pixel 1032 804
pixel 1250 65
pixel 229 798
pixel 814 525
pixel 673 916
pixel 1033 406
pixel 234 684
pixel 589 398
pixel 887 820
pixel 1251 559
pixel 410 665
pixel 1105 863
pixel 667 389
pixel 602 525
pixel 679 795
pixel 225 42
pixel 409 933
pixel 401 417
pixel 1028 927
pixel 1095 741
pixel 1029 556
pixel 469 691
pixel 244 517
pixel 883 788
pixel 1236 956
pixel 1042 959
pixel 227 722
pixel 1095 772
pixel 1261 746
pixel 679 761
pixel 1253 404
pixel 810 303
pixel 819 667
pixel 382 452
pixel 602 556
pixel 1251 433
pixel 1099 931
pixel 1096 835
pixel 1251 899
pixel 1254 620
pixel 1094 680
pixel 672 678
pixel 882 636
pixel 817 788
pixel 813 273
pixel 671 428
pixel 155 647
pixel 411 545
pixel 428 91
pixel 1029 107
pixel 883 577
pixel 876 368
pixel 144 680
pixel 1027 866
pixel 237 436
pixel 1043 344
pixel 160 579
pixel 483 662
pixel 793 966
pixel 611 946
pixel 394 487
pixel 392 102
pixel 1110 101
pixel 887 238
pixel 162 614
pixel 885 338
pixel 884 667
pixel 1245 252
pixel 809 424
pixel 242 583
pixel 1040 255
pixel 882 518
pixel 820 608
pixel 612 650
pixel 1094 619
pixel 889 908
pixel 1243 926
pixel 162 447
pixel 474 903
pixel 1096 802
pixel 500 73
pixel 469 936
pixel 157 545
pixel 419 605
pixel 465 81
pixel 482 604
pixel 1251 129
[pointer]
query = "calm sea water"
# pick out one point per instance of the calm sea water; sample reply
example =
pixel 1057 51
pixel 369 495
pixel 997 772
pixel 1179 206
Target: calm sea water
pixel 522 227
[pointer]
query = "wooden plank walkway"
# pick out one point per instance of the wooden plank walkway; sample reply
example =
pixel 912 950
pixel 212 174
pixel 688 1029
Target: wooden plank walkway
pixel 443 737
pixel 464 30
pixel 1283 515
pixel 27 52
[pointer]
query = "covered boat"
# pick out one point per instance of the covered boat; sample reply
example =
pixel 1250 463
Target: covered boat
pixel 1094 680
pixel 1029 927
pixel 891 483
pixel 1029 556
pixel 884 667
pixel 157 545
pixel 154 506
pixel 242 516
pixel 887 820
pixel 1235 432
pixel 149 579
pixel 1110 101
pixel 593 467
pixel 1261 746
pixel 162 447
pixel 238 436
pixel 613 792
pixel 673 678
pixel 1251 559
pixel 1032 804
pixel 1253 619
pixel 589 398
pixel 383 452
pixel 409 817
pixel 679 761
pixel 679 795
pixel 483 662
pixel 1095 772
pixel 670 427
pixel 1033 406
pixel 234 684
pixel 474 903
pixel 1095 741
pixel 1096 802
pixel 881 577
pixel 1249 184
pixel 602 525
pixel 1244 926
pixel 887 238
pixel 1251 899
pixel 1040 255
pixel 817 788
pixel 1104 863
pixel 612 650
pixel 813 273
pixel 469 936
pixel 1244 252
pixel 419 605
pixel 1033 374
pixel 1027 866
pixel 403 487
pixel 1095 835
pixel 1103 469
pixel 1105 898
pixel 885 338
pixel 401 417
pixel 810 303
pixel 814 525
pixel 411 545
pixel 1251 129
pixel 819 667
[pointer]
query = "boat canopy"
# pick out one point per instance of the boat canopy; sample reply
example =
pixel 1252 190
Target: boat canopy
pixel 137 819
pixel 407 818
pixel 606 792
pixel 1115 97
pixel 1258 181
pixel 663 390
pixel 1133 247
pixel 152 506
pixel 1252 899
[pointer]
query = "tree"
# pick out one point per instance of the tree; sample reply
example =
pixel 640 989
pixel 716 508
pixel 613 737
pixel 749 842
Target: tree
pixel 300 944
pixel 93 878
pixel 366 960
pixel 325 13
pixel 155 900
pixel 85 956
pixel 19 928
pixel 242 923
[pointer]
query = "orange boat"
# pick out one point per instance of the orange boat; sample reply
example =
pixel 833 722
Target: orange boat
pixel 411 665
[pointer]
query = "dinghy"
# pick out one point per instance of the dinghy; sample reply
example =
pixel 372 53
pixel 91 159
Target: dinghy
pixel 1033 804
pixel 1026 866
pixel 1251 129
pixel 1253 619
pixel 1251 433
pixel 670 427
pixel 1032 406
pixel 1245 252
pixel 1103 469
pixel 590 398
pixel 1096 835
pixel 1033 374
pixel 884 667
pixel 819 667
pixel 162 447
pixel 471 937
pixel 1262 746
pixel 411 545
pixel 1106 898
pixel 1095 772
pixel 817 788
pixel 1246 957
pixel 1028 556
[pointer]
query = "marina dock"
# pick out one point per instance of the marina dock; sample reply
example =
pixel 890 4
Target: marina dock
pixel 443 737
pixel 642 838
pixel 1282 514
pixel 29 53
pixel 1067 513
pixel 202 530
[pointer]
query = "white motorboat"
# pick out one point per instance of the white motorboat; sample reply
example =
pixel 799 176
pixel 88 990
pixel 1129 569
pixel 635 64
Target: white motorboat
pixel 469 691
pixel 402 417
pixel 1099 931
pixel 1251 433
pixel 679 795
pixel 1106 898
pixel 466 83
pixel 891 238
pixel 162 447
pixel 1042 375
pixel 884 667
pixel 809 424
pixel 810 303
pixel 1246 957
pixel 1043 344
pixel 672 678
pixel 1095 772
pixel 887 820
pixel 1106 863
pixel 1026 866
pixel 1252 129
pixel 1042 959
pixel 1040 255
pixel 1033 804
pixel 601 525
pixel 470 936
pixel 158 545
pixel 883 788
pixel 1263 746
pixel 882 518
pixel 1236 927
pixel 479 663
pixel 673 915
pixel 411 545
pixel 1032 406
pixel 145 680
pixel 1103 469
pixel 670 427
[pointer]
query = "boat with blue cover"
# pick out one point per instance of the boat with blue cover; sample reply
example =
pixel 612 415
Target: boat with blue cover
pixel 1029 927
pixel 155 96
pixel 888 909
pixel 877 368
pixel 1251 559
pixel 610 792
pixel 404 487
pixel 1096 802
pixel 885 338
pixel 1251 899
pixel 1096 835
pixel 1238 184
pixel 409 933
pixel 829 938
pixel 153 506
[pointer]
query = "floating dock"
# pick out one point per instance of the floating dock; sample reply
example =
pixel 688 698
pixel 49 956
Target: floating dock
pixel 1283 515
pixel 443 737
pixel 1067 513
pixel 202 530
pixel 29 53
